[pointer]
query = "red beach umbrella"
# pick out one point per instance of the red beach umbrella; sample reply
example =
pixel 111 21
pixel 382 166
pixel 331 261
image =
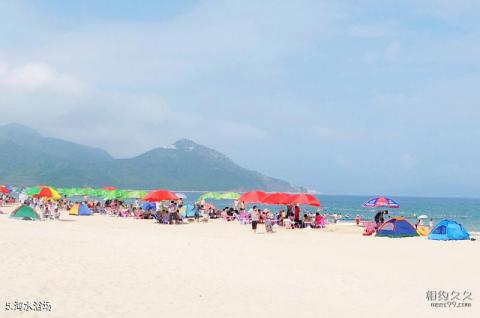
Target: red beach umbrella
pixel 49 193
pixel 4 189
pixel 304 199
pixel 253 197
pixel 161 195
pixel 110 188
pixel 277 198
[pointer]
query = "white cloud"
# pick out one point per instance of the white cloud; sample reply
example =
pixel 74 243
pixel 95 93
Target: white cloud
pixel 35 76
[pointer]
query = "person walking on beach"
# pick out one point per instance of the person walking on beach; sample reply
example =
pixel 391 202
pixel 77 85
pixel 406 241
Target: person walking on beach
pixel 254 215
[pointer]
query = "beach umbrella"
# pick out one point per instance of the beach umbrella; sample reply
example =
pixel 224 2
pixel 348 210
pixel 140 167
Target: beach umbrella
pixel 31 191
pixel 181 195
pixel 4 189
pixel 277 199
pixel 112 195
pixel 160 195
pixel 378 202
pixel 230 196
pixel 48 192
pixel 253 197
pixel 219 196
pixel 304 199
pixel 110 188
pixel 210 195
pixel 135 194
pixel 89 192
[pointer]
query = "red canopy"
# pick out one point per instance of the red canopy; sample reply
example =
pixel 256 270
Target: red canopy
pixel 253 197
pixel 277 198
pixel 161 195
pixel 304 198
pixel 110 188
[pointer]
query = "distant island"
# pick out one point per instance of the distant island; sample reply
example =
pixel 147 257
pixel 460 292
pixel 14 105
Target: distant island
pixel 28 158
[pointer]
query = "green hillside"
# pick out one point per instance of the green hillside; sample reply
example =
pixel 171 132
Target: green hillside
pixel 27 158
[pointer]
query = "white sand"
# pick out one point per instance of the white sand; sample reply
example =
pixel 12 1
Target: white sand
pixel 115 267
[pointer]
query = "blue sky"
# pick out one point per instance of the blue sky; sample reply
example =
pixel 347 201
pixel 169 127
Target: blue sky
pixel 377 97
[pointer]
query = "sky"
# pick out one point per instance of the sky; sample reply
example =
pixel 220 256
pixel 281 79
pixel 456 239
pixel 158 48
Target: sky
pixel 343 97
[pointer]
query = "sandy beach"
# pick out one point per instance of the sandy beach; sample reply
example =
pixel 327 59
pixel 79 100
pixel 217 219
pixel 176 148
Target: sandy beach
pixel 105 266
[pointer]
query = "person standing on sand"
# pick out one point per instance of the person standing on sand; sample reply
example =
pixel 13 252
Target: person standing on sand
pixel 297 215
pixel 172 209
pixel 268 222
pixel 254 216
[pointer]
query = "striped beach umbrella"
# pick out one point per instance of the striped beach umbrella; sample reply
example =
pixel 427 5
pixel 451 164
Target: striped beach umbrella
pixel 378 202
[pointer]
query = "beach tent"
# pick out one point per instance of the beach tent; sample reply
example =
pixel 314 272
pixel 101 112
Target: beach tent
pixel 397 227
pixel 149 206
pixel 80 209
pixel 187 211
pixel 448 230
pixel 24 212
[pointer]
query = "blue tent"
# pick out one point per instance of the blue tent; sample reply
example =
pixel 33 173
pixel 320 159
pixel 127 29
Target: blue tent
pixel 397 227
pixel 149 206
pixel 80 209
pixel 448 230
pixel 188 211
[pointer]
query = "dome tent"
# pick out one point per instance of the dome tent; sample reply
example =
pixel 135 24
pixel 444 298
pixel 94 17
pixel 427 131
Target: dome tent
pixel 24 212
pixel 80 209
pixel 448 230
pixel 397 227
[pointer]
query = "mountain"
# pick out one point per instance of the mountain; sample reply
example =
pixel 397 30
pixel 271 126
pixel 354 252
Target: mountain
pixel 28 158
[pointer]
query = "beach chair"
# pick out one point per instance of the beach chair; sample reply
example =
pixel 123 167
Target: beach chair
pixel 227 217
pixel 370 228
pixel 244 218
pixel 288 224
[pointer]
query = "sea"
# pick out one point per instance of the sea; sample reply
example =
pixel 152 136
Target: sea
pixel 463 210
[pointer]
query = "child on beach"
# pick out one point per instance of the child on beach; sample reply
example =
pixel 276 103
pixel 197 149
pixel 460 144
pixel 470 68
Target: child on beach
pixel 268 223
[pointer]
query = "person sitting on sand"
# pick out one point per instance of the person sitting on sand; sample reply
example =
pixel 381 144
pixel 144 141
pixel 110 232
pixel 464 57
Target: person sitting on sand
pixel 288 222
pixel 307 220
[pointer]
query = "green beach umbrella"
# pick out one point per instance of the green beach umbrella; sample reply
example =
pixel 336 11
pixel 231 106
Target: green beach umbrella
pixel 210 196
pixel 115 194
pixel 135 194
pixel 219 196
pixel 231 196
pixel 32 191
